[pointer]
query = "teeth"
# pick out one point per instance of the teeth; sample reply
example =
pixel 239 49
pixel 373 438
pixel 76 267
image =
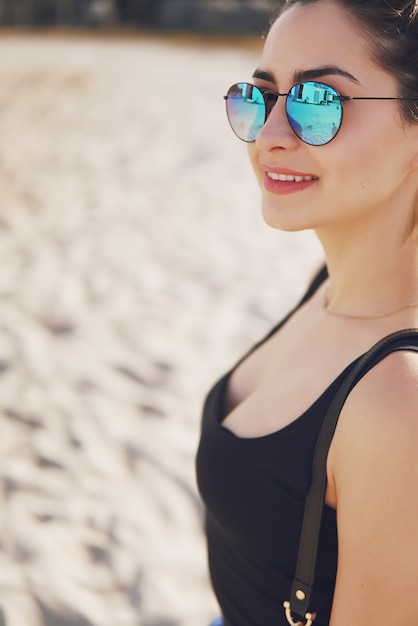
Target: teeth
pixel 287 178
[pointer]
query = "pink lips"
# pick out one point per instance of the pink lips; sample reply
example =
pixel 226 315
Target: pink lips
pixel 284 181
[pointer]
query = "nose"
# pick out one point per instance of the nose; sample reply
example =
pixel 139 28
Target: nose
pixel 276 133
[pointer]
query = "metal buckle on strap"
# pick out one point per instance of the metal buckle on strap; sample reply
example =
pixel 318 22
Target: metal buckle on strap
pixel 309 617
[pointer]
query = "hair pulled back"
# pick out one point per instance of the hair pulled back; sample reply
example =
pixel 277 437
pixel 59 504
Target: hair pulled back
pixel 392 29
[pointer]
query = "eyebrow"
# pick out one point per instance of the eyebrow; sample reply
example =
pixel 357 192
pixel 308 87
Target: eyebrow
pixel 300 76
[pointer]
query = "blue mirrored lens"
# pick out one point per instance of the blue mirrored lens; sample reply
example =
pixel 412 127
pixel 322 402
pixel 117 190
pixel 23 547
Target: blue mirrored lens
pixel 246 110
pixel 314 112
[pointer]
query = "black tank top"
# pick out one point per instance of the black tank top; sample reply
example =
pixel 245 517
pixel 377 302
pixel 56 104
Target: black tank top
pixel 254 492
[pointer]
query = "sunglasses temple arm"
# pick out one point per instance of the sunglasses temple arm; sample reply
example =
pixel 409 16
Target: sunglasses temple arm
pixel 347 98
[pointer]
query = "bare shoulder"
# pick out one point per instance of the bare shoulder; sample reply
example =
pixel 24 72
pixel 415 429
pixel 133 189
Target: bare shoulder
pixel 374 471
pixel 386 397
pixel 379 421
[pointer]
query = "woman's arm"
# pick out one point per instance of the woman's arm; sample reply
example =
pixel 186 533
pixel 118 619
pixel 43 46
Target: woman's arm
pixel 373 474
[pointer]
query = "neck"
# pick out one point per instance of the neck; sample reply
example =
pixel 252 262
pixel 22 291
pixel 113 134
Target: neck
pixel 370 279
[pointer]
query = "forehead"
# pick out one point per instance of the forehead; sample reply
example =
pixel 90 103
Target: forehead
pixel 315 35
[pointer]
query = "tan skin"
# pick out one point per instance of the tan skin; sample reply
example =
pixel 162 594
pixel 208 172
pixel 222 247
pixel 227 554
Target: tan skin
pixel 363 207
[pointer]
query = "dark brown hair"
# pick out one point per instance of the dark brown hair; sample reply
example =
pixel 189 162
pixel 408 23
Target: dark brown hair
pixel 392 29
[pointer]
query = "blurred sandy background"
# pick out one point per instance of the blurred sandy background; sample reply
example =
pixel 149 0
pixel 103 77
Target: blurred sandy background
pixel 134 269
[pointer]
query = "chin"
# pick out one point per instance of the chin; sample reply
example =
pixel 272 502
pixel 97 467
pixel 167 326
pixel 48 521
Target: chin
pixel 286 219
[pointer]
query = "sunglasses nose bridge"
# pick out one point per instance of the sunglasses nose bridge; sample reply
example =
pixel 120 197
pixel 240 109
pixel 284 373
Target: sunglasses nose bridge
pixel 277 98
pixel 276 128
pixel 271 98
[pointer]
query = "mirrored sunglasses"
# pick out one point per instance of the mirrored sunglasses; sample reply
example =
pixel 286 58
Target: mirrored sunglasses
pixel 314 110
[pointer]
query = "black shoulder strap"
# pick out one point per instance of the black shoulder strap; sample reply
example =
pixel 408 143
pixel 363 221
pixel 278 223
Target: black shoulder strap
pixel 305 568
pixel 317 280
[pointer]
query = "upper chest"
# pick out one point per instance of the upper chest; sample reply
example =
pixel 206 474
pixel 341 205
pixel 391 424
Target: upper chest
pixel 285 375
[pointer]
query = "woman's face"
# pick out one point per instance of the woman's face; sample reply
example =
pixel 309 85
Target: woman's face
pixel 369 169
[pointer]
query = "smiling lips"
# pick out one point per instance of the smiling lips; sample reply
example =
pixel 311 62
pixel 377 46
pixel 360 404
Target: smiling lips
pixel 284 182
pixel 289 178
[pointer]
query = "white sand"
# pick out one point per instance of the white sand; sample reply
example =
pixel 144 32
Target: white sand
pixel 134 268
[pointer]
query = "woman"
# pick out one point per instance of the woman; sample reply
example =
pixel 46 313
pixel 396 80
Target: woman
pixel 355 182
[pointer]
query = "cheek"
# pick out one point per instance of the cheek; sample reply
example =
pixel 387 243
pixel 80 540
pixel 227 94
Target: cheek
pixel 370 133
pixel 364 178
pixel 253 156
pixel 359 154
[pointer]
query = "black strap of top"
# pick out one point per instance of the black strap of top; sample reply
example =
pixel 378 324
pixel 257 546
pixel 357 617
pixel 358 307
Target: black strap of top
pixel 305 568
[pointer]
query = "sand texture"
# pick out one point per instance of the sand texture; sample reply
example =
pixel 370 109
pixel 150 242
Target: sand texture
pixel 134 269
